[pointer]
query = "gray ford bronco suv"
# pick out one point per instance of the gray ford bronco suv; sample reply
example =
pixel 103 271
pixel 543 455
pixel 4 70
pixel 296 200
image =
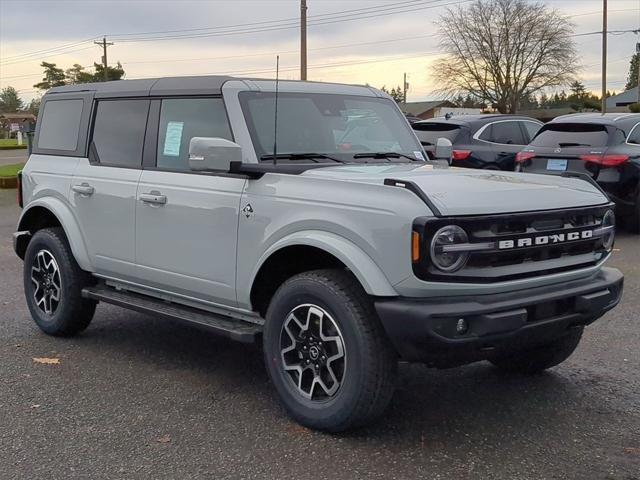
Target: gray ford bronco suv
pixel 304 215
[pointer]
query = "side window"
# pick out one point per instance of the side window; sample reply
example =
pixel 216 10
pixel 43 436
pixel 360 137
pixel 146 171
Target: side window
pixel 60 124
pixel 634 136
pixel 181 119
pixel 507 133
pixel 531 128
pixel 118 131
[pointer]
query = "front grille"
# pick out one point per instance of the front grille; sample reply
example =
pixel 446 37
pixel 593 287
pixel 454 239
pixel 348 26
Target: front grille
pixel 493 264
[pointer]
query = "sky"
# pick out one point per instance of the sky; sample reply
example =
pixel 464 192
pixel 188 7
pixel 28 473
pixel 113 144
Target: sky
pixel 349 41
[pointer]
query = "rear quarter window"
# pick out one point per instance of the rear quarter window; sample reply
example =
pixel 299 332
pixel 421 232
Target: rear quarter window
pixel 60 125
pixel 571 135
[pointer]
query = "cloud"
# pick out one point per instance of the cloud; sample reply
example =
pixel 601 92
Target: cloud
pixel 376 50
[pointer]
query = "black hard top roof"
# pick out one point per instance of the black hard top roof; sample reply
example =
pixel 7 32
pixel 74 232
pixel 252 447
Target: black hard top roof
pixel 196 85
pixel 476 120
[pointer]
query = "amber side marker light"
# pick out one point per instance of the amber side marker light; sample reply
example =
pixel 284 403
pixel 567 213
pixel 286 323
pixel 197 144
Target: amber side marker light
pixel 415 246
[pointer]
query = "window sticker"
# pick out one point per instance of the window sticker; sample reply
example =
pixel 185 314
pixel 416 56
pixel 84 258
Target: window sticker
pixel 418 155
pixel 172 139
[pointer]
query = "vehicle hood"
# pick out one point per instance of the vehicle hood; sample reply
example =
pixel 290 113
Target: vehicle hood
pixel 462 191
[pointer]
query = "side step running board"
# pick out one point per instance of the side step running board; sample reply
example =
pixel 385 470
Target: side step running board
pixel 234 329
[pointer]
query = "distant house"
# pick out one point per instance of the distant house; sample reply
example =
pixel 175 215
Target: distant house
pixel 623 99
pixel 14 122
pixel 436 108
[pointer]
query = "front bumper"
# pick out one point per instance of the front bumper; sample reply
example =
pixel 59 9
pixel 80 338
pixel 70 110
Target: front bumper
pixel 426 330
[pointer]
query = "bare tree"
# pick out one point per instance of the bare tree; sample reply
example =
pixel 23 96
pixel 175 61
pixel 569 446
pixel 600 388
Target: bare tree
pixel 504 50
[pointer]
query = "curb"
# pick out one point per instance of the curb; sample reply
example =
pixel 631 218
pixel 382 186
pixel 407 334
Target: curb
pixel 8 182
pixel 13 147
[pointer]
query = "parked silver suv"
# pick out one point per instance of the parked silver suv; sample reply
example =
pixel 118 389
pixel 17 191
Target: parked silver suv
pixel 333 239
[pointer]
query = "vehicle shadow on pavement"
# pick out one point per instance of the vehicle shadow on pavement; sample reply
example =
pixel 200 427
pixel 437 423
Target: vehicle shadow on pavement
pixel 434 405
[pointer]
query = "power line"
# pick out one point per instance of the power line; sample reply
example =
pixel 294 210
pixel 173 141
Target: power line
pixel 319 66
pixel 293 25
pixel 328 18
pixel 263 54
pixel 40 52
pixel 42 59
pixel 266 21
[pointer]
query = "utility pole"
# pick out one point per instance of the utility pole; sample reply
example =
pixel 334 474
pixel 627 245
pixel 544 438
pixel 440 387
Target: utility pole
pixel 405 87
pixel 303 39
pixel 604 56
pixel 638 65
pixel 104 44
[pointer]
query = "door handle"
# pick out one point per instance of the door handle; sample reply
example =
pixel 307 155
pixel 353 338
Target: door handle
pixel 83 189
pixel 153 198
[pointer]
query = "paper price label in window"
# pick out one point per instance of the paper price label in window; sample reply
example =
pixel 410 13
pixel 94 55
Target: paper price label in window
pixel 172 139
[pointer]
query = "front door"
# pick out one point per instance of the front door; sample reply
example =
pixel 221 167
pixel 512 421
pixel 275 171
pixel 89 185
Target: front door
pixel 103 190
pixel 187 222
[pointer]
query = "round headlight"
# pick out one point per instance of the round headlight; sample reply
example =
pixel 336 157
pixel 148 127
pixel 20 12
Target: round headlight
pixel 609 235
pixel 443 252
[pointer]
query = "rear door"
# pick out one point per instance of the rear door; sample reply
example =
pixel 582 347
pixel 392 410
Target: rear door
pixel 104 186
pixel 507 138
pixel 187 222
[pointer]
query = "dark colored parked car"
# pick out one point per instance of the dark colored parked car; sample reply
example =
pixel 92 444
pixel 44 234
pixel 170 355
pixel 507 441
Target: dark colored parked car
pixel 480 141
pixel 604 147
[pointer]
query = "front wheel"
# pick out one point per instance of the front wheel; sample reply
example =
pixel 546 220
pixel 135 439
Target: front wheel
pixel 540 358
pixel 326 351
pixel 53 284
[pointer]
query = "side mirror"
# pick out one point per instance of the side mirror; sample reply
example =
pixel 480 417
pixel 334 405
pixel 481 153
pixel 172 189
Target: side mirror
pixel 444 149
pixel 213 154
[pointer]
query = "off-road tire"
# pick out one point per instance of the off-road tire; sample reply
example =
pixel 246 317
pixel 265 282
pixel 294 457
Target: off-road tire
pixel 537 359
pixel 370 367
pixel 72 313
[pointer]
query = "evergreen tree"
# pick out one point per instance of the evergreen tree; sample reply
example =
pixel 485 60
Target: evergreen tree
pixel 632 78
pixel 10 102
pixel 395 93
pixel 53 77
pixel 76 74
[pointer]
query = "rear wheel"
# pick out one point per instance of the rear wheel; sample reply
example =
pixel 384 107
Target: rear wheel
pixel 53 283
pixel 540 358
pixel 327 353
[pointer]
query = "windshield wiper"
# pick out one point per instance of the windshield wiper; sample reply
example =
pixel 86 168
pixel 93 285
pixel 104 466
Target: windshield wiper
pixel 573 144
pixel 385 155
pixel 299 156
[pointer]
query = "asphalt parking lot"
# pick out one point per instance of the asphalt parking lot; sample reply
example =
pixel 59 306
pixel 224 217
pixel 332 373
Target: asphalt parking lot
pixel 134 397
pixel 8 157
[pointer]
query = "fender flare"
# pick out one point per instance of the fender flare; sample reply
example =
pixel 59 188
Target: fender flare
pixel 370 276
pixel 69 224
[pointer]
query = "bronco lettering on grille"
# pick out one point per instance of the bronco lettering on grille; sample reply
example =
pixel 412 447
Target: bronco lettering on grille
pixel 545 240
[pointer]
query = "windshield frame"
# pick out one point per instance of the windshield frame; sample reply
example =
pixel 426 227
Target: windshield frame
pixel 347 156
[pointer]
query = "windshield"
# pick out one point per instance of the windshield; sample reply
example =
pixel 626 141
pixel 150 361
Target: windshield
pixel 336 126
pixel 429 132
pixel 571 135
